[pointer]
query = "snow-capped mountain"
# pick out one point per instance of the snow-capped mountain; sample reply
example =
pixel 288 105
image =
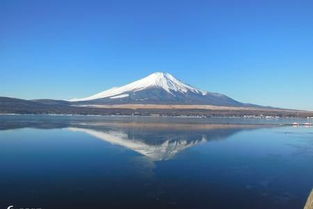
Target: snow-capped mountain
pixel 158 88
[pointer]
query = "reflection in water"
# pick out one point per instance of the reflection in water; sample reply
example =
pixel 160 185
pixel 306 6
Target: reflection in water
pixel 53 162
pixel 155 140
pixel 158 141
pixel 163 151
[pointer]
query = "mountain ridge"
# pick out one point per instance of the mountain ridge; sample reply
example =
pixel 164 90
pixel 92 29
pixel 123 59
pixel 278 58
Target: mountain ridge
pixel 20 106
pixel 158 79
pixel 159 94
pixel 158 88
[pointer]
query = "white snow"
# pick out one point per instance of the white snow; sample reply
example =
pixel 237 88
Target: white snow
pixel 119 96
pixel 162 80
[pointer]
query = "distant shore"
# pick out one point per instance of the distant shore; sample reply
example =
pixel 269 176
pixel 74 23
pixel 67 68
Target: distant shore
pixel 19 106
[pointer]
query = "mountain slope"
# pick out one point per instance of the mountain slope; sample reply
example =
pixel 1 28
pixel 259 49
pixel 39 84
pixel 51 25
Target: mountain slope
pixel 158 88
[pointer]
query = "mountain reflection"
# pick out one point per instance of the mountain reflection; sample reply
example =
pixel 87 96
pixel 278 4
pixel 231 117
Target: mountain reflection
pixel 158 141
pixel 155 151
pixel 155 140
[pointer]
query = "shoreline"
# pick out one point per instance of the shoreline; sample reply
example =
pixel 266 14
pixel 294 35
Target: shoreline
pixel 282 121
pixel 162 116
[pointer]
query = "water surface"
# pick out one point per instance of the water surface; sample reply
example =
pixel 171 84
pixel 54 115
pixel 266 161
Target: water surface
pixel 97 162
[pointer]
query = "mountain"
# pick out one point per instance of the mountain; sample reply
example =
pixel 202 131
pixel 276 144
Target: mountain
pixel 158 88
pixel 159 94
pixel 21 106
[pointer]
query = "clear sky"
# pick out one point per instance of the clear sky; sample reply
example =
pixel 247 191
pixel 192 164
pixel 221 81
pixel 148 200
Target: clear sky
pixel 258 51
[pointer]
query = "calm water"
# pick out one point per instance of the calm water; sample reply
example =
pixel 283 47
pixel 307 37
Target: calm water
pixel 54 162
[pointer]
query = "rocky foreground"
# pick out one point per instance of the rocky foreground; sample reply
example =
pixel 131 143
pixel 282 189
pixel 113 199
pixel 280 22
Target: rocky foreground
pixel 309 203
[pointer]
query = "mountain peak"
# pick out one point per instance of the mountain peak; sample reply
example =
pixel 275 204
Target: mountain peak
pixel 158 88
pixel 160 80
pixel 167 82
pixel 160 74
pixel 157 76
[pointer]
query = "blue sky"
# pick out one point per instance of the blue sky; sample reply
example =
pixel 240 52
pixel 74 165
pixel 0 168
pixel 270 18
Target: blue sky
pixel 254 51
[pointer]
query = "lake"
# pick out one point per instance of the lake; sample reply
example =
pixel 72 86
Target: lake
pixel 56 162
